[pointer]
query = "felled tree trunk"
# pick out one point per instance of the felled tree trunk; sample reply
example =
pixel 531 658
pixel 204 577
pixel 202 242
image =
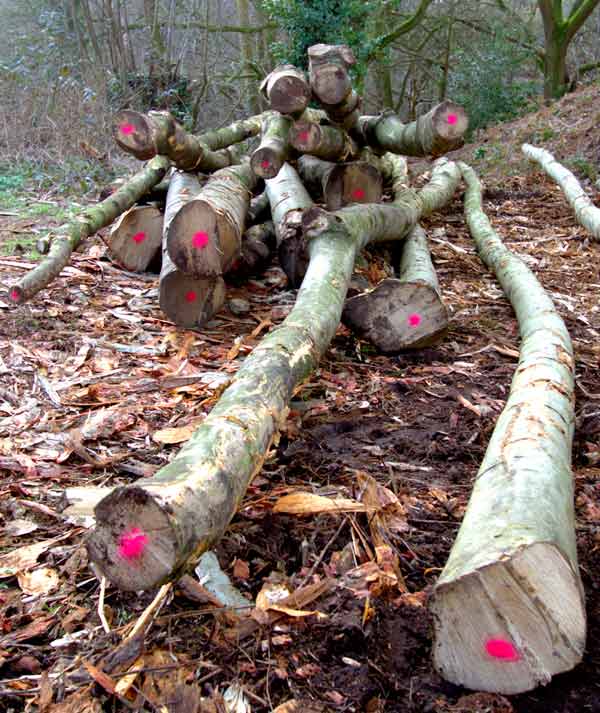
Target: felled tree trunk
pixel 329 143
pixel 136 237
pixel 273 151
pixel 84 225
pixel 288 198
pixel 187 301
pixel 508 607
pixel 403 313
pixel 587 214
pixel 204 237
pixel 259 206
pixel 341 183
pixel 146 533
pixel 328 67
pixel 157 133
pixel 258 247
pixel 440 130
pixel 287 90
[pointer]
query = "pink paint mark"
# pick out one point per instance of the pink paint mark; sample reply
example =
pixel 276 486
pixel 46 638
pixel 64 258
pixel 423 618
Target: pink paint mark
pixel 235 265
pixel 358 194
pixel 191 296
pixel 303 136
pixel 14 295
pixel 452 118
pixel 265 164
pixel 132 543
pixel 414 320
pixel 200 239
pixel 139 237
pixel 502 649
pixel 127 128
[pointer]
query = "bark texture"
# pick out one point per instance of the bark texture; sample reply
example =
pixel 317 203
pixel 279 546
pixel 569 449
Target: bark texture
pixel 84 225
pixel 187 301
pixel 508 607
pixel 136 237
pixel 273 151
pixel 146 533
pixel 587 214
pixel 287 90
pixel 204 237
pixel 258 247
pixel 329 143
pixel 440 130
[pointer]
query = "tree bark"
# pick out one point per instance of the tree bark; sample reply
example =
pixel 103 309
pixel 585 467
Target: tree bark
pixel 287 90
pixel 440 130
pixel 587 214
pixel 274 148
pixel 403 313
pixel 508 607
pixel 330 143
pixel 187 301
pixel 258 246
pixel 341 184
pixel 259 206
pixel 136 237
pixel 247 48
pixel 330 82
pixel 84 225
pixel 204 237
pixel 147 533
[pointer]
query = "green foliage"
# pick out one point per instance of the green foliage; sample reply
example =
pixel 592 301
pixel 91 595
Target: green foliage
pixel 488 80
pixel 582 166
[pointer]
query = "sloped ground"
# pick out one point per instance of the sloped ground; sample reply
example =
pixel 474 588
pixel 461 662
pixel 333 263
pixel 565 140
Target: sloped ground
pixel 418 424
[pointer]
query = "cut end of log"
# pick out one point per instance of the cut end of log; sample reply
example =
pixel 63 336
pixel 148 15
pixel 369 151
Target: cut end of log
pixel 289 94
pixel 450 122
pixel 266 162
pixel 397 315
pixel 133 133
pixel 304 136
pixel 331 84
pixel 136 238
pixel 133 544
pixel 524 623
pixel 191 302
pixel 356 182
pixel 15 295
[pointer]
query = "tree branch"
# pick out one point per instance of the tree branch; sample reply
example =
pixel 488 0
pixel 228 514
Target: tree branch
pixel 402 29
pixel 579 14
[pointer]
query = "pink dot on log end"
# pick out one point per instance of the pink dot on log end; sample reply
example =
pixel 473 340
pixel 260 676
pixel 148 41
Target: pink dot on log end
pixel 190 296
pixel 502 649
pixel 303 136
pixel 452 118
pixel 414 320
pixel 139 237
pixel 14 295
pixel 200 239
pixel 132 543
pixel 127 128
pixel 358 194
pixel 265 164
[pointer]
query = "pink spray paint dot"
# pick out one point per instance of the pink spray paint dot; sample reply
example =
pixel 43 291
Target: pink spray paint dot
pixel 452 118
pixel 200 239
pixel 132 543
pixel 502 649
pixel 265 164
pixel 303 135
pixel 358 194
pixel 190 296
pixel 139 237
pixel 14 295
pixel 127 128
pixel 414 320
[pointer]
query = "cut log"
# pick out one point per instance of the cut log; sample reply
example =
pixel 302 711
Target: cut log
pixel 330 143
pixel 273 151
pixel 288 198
pixel 403 313
pixel 204 238
pixel 84 225
pixel 147 533
pixel 157 133
pixel 440 130
pixel 259 207
pixel 346 114
pixel 328 67
pixel 136 237
pixel 341 184
pixel 287 90
pixel 587 214
pixel 187 301
pixel 508 607
pixel 258 247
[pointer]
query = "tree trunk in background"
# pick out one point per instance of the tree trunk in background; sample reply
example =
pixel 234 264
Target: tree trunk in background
pixel 157 45
pixel 247 42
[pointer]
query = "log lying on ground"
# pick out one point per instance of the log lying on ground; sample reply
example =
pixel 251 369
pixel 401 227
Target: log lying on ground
pixel 187 301
pixel 328 67
pixel 136 237
pixel 287 90
pixel 289 198
pixel 274 149
pixel 440 130
pixel 204 237
pixel 157 133
pixel 147 533
pixel 258 247
pixel 508 607
pixel 341 183
pixel 259 207
pixel 329 143
pixel 587 214
pixel 403 313
pixel 84 225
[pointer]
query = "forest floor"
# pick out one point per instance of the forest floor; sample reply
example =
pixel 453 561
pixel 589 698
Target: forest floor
pixel 96 343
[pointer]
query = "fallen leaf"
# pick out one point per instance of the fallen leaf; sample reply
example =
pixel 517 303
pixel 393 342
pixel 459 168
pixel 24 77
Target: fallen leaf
pixel 20 527
pixel 24 558
pixel 79 702
pixel 177 435
pixel 34 629
pixel 41 581
pixel 235 700
pixel 301 503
